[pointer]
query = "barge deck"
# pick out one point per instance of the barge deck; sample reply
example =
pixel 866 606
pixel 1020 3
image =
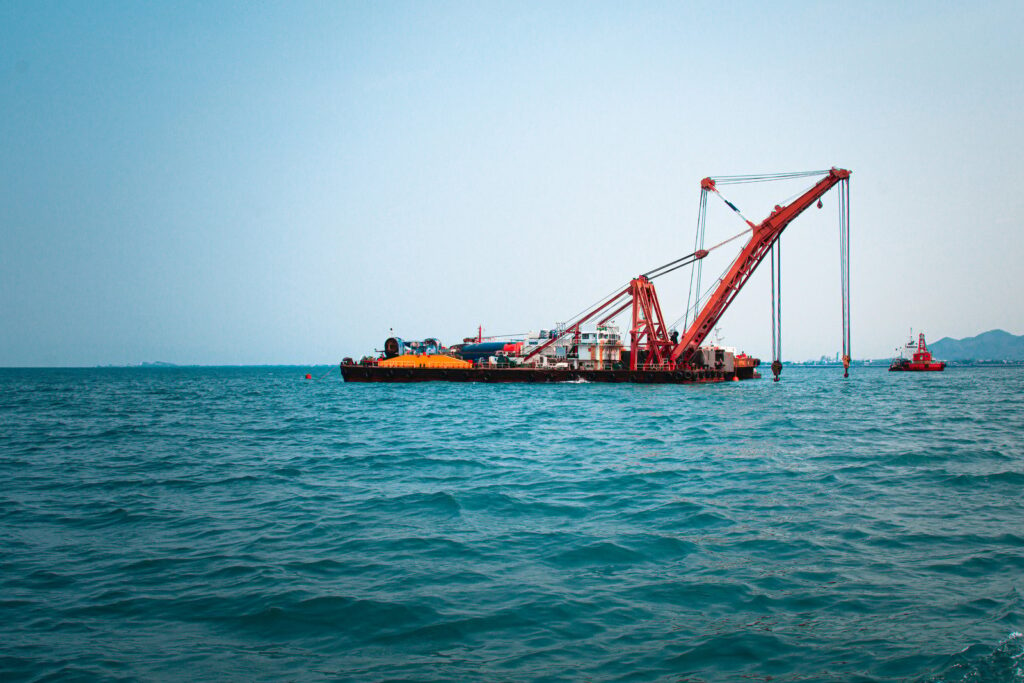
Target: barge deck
pixel 374 373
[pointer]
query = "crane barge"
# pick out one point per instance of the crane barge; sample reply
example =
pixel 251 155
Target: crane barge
pixel 591 348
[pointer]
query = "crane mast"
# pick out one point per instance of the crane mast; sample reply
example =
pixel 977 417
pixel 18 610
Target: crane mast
pixel 761 240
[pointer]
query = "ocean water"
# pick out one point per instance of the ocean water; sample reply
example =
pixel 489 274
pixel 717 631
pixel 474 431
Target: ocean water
pixel 248 524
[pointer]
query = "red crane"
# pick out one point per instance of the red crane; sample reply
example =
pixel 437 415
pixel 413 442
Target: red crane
pixel 651 344
pixel 761 240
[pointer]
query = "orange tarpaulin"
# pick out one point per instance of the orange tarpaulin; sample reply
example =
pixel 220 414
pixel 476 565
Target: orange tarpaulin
pixel 427 361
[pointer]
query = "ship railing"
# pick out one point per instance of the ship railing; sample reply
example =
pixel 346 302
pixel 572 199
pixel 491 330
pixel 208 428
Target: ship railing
pixel 666 365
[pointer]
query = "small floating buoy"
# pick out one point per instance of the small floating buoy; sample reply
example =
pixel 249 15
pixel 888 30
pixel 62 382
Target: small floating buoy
pixel 309 376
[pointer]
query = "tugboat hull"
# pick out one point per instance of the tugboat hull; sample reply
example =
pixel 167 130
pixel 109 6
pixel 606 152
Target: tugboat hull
pixel 936 366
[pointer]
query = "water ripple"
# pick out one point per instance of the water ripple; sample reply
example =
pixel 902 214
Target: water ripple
pixel 243 523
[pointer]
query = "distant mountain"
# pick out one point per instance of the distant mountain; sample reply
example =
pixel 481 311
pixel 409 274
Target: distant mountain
pixel 991 345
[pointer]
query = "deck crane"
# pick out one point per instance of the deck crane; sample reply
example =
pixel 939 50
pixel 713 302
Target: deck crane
pixel 652 345
pixel 762 238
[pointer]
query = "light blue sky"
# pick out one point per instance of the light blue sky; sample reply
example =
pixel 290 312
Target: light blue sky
pixel 282 183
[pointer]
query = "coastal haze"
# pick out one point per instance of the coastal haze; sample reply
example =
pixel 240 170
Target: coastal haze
pixel 235 184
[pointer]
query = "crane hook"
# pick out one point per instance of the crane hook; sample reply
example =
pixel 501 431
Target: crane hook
pixel 819 204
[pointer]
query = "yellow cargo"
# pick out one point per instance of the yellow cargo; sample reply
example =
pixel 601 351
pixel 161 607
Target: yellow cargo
pixel 428 361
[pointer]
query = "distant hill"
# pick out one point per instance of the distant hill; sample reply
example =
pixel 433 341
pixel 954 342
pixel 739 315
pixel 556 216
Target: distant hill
pixel 991 345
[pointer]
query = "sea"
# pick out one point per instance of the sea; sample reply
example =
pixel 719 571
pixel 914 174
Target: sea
pixel 249 524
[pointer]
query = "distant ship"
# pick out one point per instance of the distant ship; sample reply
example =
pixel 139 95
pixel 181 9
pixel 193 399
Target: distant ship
pixel 919 360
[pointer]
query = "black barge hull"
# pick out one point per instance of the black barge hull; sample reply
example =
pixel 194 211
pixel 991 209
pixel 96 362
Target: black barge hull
pixel 373 373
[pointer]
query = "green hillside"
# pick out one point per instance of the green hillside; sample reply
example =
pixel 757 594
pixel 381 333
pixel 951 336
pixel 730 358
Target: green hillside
pixel 991 345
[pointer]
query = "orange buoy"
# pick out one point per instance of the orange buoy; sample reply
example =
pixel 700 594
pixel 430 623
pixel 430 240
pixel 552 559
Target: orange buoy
pixel 309 376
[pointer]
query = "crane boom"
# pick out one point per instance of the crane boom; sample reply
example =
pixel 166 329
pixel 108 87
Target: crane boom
pixel 764 235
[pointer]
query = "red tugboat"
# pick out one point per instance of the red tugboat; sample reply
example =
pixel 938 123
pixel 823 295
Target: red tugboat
pixel 921 361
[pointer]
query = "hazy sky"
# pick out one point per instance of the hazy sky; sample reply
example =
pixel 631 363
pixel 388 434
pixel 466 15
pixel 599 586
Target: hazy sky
pixel 224 183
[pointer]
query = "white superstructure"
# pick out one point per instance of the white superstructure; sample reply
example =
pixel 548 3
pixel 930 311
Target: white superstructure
pixel 596 347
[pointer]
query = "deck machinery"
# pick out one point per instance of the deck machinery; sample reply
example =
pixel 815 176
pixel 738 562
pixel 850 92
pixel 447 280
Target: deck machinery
pixel 655 354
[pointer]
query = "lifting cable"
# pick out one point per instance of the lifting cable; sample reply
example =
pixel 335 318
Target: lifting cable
pixel 690 258
pixel 734 208
pixel 844 268
pixel 703 298
pixel 738 179
pixel 698 243
pixel 675 265
pixel 776 251
pixel 621 289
